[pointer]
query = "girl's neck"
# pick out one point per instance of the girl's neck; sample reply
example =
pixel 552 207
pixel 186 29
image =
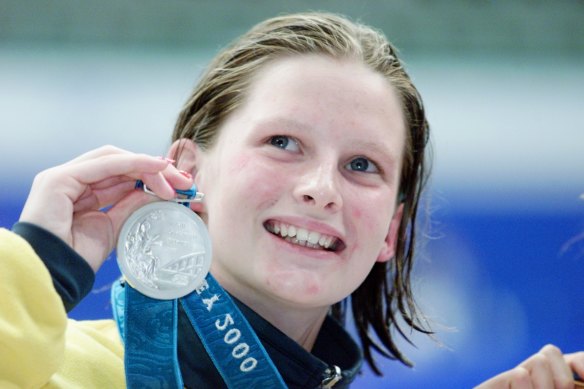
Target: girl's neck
pixel 300 324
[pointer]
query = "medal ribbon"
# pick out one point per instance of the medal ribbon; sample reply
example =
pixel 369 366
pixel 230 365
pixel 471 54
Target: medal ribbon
pixel 231 343
pixel 150 357
pixel 149 330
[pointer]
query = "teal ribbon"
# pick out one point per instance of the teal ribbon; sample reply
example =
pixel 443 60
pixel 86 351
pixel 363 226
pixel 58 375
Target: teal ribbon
pixel 231 343
pixel 149 331
pixel 150 336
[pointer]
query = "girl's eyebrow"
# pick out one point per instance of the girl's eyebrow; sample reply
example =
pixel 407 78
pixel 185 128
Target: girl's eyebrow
pixel 377 150
pixel 375 147
pixel 282 122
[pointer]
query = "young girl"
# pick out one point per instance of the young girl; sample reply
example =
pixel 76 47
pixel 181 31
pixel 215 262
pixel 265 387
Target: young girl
pixel 308 139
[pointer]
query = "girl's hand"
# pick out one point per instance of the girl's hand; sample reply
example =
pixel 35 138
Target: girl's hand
pixel 66 200
pixel 549 368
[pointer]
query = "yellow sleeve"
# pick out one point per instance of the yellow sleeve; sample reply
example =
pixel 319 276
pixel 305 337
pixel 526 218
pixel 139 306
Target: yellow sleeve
pixel 32 317
pixel 94 357
pixel 39 347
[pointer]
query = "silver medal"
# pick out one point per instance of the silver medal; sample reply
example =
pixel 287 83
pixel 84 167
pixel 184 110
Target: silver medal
pixel 164 250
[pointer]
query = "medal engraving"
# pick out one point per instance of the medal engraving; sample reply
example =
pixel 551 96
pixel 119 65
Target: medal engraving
pixel 164 250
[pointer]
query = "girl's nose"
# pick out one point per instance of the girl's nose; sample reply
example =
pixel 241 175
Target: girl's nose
pixel 319 188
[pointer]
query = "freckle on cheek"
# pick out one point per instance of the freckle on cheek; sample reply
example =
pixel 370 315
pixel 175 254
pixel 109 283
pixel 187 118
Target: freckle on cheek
pixel 240 164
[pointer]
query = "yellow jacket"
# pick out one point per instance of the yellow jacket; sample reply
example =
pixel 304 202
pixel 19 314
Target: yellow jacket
pixel 39 346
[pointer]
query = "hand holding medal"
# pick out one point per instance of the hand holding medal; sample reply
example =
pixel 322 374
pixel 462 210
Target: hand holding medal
pixel 86 200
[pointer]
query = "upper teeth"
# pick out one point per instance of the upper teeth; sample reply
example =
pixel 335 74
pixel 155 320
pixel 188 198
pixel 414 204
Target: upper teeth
pixel 302 235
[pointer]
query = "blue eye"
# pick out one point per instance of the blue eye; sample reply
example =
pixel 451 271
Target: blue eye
pixel 280 141
pixel 362 164
pixel 284 143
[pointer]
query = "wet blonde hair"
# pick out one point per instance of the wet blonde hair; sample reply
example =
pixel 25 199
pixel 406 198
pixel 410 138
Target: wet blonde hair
pixel 386 293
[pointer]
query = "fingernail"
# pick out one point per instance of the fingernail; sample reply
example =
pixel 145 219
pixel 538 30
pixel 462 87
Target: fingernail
pixel 186 174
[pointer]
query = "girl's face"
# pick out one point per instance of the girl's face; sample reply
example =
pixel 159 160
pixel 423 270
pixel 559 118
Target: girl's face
pixel 301 185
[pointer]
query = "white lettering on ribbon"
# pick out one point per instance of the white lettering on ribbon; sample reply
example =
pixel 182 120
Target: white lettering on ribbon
pixel 209 302
pixel 240 349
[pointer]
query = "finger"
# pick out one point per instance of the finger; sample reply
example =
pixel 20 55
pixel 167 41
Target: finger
pixel 96 153
pixel 99 198
pixel 159 175
pixel 540 371
pixel 159 182
pixel 112 194
pixel 98 169
pixel 111 190
pixel 100 152
pixel 108 191
pixel 111 182
pixel 520 378
pixel 576 363
pixel 176 178
pixel 159 185
pixel 562 375
pixel 517 378
pixel 179 179
pixel 107 183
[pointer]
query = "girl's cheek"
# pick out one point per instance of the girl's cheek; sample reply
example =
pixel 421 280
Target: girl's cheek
pixel 239 164
pixel 367 221
pixel 268 188
pixel 374 219
pixel 261 179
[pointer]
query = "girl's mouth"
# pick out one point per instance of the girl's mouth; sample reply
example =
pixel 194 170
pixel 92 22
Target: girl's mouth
pixel 303 237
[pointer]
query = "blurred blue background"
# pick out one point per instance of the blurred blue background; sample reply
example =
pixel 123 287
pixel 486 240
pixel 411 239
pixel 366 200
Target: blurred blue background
pixel 501 271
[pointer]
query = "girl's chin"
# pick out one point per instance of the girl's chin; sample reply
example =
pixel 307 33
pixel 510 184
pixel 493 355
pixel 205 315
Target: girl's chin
pixel 300 287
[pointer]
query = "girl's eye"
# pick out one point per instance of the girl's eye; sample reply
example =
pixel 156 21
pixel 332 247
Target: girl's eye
pixel 362 164
pixel 284 143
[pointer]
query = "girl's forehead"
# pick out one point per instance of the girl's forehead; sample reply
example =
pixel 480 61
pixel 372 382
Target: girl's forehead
pixel 333 101
pixel 317 80
pixel 317 88
pixel 310 68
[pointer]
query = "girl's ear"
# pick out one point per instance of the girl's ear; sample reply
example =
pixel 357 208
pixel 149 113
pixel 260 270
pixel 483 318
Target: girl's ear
pixel 186 154
pixel 389 245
